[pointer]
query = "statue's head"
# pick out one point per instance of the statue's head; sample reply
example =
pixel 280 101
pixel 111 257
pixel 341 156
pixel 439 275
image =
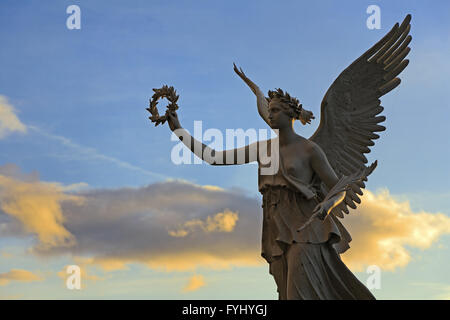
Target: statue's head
pixel 283 109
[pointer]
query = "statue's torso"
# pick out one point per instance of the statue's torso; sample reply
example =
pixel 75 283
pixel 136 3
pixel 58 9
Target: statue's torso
pixel 289 197
pixel 295 158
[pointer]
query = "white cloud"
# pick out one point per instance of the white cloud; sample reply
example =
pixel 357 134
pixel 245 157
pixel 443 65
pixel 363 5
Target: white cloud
pixel 9 122
pixel 384 229
pixel 84 152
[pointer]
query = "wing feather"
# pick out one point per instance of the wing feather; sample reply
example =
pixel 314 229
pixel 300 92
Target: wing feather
pixel 350 109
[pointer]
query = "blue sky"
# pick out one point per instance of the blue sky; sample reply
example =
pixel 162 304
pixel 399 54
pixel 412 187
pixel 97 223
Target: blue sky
pixel 82 95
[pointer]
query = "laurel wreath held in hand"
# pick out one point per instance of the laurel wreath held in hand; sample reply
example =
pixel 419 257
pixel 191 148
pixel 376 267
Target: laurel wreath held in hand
pixel 165 92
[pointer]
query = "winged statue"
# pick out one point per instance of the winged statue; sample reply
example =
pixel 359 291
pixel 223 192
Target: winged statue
pixel 319 178
pixel 351 107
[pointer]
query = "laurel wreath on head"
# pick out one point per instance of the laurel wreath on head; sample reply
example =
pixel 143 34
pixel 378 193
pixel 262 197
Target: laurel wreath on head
pixel 165 92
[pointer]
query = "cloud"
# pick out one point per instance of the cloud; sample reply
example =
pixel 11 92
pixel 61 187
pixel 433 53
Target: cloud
pixel 384 229
pixel 87 153
pixel 180 226
pixel 37 206
pixel 9 122
pixel 10 297
pixel 195 283
pixel 18 275
pixel 142 225
pixel 442 290
pixel 117 227
pixel 6 255
pixel 445 293
pixel 75 187
pixel 221 222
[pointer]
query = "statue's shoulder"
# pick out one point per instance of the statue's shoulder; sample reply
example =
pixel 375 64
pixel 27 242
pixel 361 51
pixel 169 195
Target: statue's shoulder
pixel 304 146
pixel 311 147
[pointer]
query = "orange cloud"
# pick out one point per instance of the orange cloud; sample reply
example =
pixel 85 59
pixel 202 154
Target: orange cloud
pixel 220 222
pixel 186 260
pixel 195 283
pixel 37 206
pixel 6 255
pixel 383 228
pixel 18 275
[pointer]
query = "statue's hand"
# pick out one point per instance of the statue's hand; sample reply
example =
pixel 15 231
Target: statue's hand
pixel 320 211
pixel 249 82
pixel 172 120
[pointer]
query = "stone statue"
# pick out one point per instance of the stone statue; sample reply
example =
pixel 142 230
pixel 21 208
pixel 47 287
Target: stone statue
pixel 320 177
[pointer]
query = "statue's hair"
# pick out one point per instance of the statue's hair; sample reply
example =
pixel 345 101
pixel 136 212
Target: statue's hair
pixel 295 107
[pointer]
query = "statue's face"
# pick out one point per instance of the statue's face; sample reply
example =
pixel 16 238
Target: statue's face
pixel 279 116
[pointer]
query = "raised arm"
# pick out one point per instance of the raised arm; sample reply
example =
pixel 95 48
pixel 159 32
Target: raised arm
pixel 263 106
pixel 235 156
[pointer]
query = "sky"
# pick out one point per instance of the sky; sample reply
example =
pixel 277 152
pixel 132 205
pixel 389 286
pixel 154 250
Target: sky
pixel 86 179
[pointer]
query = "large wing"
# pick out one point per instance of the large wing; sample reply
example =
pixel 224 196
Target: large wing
pixel 344 184
pixel 351 107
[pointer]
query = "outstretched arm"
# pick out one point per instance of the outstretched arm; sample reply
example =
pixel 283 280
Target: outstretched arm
pixel 263 107
pixel 241 155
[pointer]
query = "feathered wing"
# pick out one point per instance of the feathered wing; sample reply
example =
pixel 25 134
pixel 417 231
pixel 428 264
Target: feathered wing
pixel 350 109
pixel 344 184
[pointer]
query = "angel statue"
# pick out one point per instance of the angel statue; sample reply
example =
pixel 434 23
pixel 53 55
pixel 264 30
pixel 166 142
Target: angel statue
pixel 320 177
